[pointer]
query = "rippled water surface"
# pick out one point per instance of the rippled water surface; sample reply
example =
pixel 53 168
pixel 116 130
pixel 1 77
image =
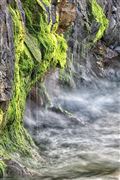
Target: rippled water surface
pixel 86 146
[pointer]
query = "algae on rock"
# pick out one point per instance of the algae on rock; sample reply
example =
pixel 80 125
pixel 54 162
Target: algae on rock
pixel 100 17
pixel 37 49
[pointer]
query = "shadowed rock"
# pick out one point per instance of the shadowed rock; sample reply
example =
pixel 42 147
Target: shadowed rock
pixel 6 54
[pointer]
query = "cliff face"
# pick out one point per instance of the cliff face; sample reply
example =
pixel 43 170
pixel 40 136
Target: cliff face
pixel 6 56
pixel 31 44
pixel 93 48
pixel 93 56
pixel 29 47
pixel 94 41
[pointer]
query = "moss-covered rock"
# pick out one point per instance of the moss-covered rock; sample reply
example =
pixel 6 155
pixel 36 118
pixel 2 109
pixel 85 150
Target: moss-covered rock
pixel 37 49
pixel 100 17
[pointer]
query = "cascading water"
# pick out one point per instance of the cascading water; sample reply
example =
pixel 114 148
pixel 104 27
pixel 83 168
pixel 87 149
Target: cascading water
pixel 78 135
pixel 78 132
pixel 73 117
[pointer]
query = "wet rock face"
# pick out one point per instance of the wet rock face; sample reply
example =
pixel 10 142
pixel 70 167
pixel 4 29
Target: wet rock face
pixel 84 61
pixel 6 53
pixel 84 27
pixel 112 9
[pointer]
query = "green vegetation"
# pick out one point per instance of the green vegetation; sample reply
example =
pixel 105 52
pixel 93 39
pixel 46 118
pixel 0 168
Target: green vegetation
pixel 100 17
pixel 37 49
pixel 1 116
pixel 2 168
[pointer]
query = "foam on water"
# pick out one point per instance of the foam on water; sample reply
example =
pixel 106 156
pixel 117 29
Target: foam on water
pixel 74 150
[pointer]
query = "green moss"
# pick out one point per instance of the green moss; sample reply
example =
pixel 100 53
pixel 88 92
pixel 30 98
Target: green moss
pixel 1 116
pixel 53 45
pixel 46 2
pixel 14 137
pixel 100 17
pixel 2 168
pixel 37 49
pixel 32 48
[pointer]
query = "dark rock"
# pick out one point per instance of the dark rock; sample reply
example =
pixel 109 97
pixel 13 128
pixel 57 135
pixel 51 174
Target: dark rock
pixel 6 54
pixel 15 169
pixel 67 13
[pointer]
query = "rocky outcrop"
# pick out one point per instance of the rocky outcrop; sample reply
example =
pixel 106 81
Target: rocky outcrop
pixel 6 54
pixel 93 48
pixel 93 53
pixel 31 44
pixel 92 62
pixel 91 45
pixel 29 47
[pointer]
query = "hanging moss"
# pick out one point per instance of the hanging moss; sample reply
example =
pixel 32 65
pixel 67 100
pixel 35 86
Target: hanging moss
pixel 14 137
pixel 100 17
pixel 37 49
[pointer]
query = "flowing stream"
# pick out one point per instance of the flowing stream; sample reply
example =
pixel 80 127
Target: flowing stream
pixel 83 146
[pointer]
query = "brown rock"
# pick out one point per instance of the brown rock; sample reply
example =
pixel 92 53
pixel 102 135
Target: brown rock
pixel 67 13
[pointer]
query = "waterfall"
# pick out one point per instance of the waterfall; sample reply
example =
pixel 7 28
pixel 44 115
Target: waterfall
pixel 78 132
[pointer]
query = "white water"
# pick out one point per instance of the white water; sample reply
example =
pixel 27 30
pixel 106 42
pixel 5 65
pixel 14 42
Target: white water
pixel 87 147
